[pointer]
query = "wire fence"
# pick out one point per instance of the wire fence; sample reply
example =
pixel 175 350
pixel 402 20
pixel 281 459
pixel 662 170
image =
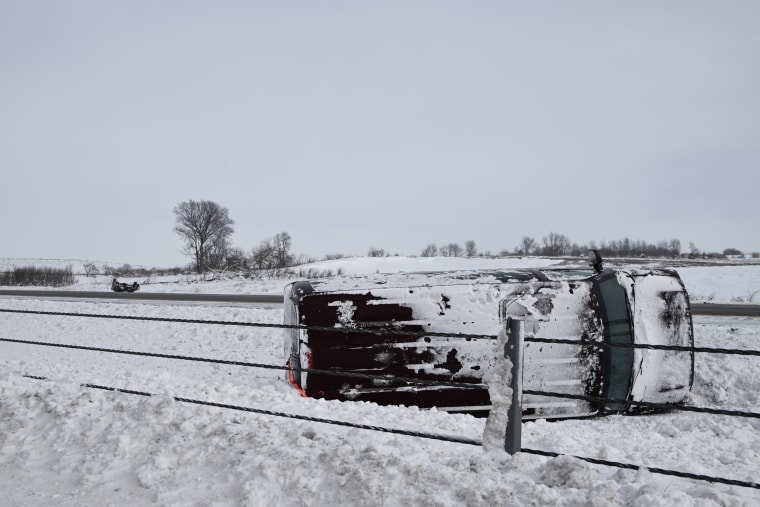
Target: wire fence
pixel 412 381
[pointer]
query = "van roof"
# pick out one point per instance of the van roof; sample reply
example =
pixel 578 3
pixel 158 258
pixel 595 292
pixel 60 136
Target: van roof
pixel 427 278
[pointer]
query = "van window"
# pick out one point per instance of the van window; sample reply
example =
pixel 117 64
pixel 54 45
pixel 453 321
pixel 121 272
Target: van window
pixel 618 361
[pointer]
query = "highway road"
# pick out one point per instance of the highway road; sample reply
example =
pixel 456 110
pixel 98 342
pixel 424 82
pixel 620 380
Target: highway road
pixel 147 296
pixel 726 310
pixel 721 310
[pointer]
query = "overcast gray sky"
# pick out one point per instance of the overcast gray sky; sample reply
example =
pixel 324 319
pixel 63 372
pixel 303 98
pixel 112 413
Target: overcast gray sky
pixel 391 124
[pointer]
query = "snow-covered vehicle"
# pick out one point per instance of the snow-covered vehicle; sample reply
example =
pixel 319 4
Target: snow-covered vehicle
pixel 117 286
pixel 604 307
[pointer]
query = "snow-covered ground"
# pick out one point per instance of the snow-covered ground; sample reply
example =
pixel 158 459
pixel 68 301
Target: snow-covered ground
pixel 64 444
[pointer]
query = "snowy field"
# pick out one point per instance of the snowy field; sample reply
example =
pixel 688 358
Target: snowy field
pixel 63 444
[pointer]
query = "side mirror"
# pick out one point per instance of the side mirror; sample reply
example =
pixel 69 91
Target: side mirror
pixel 595 260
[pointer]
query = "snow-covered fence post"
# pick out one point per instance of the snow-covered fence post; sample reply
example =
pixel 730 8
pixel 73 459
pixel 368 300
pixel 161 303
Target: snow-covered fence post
pixel 513 350
pixel 503 430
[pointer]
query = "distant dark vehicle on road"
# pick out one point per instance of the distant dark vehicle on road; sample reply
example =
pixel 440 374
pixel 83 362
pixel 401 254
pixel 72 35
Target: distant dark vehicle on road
pixel 595 307
pixel 117 286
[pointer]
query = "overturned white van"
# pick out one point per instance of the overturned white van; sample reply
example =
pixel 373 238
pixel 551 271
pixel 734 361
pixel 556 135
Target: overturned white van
pixel 594 308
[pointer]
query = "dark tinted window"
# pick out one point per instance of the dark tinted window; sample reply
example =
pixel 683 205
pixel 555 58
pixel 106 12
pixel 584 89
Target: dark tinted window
pixel 618 361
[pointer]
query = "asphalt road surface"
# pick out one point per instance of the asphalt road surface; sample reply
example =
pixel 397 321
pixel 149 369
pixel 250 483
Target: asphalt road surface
pixel 154 296
pixel 720 310
pixel 725 310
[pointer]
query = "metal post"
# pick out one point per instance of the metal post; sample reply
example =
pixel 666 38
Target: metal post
pixel 513 350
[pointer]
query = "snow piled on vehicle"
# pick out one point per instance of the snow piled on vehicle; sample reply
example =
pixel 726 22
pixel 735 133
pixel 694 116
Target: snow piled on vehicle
pixel 660 317
pixel 500 389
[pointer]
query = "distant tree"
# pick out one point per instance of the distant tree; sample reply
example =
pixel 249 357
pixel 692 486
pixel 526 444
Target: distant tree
pixel 376 252
pixel 674 247
pixel 556 245
pixel 693 250
pixel 282 243
pixel 236 259
pixel 527 246
pixel 218 254
pixel 469 248
pixel 455 249
pixel 430 251
pixel 90 269
pixel 732 251
pixel 577 250
pixel 205 227
pixel 273 253
pixel 263 256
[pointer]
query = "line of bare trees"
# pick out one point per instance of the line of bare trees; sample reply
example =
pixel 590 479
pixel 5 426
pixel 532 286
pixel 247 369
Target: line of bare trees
pixel 206 230
pixel 38 276
pixel 450 250
pixel 559 245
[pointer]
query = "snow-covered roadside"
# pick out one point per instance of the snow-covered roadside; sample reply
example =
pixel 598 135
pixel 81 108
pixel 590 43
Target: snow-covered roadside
pixel 63 444
pixel 723 284
pixel 718 284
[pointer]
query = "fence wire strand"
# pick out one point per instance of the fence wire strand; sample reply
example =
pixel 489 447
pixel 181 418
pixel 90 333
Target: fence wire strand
pixel 645 346
pixel 385 378
pixel 400 332
pixel 346 329
pixel 227 362
pixel 662 406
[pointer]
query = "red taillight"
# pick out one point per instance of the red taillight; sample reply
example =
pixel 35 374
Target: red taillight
pixel 292 380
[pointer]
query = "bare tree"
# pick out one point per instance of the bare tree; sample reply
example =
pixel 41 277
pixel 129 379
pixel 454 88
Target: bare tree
pixel 693 250
pixel 206 228
pixel 455 249
pixel 236 259
pixel 527 245
pixel 469 248
pixel 90 269
pixel 263 256
pixel 556 245
pixel 375 252
pixel 273 253
pixel 430 251
pixel 217 255
pixel 675 247
pixel 282 243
